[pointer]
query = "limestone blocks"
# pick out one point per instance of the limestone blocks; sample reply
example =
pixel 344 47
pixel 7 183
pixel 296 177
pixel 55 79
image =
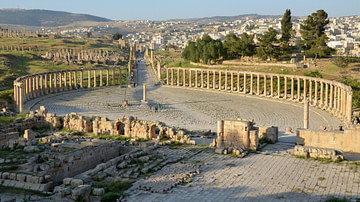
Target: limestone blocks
pixel 316 152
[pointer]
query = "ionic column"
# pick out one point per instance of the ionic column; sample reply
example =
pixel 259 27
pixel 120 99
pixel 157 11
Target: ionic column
pixel 272 85
pixel 338 100
pixel 184 77
pixel 34 86
pixel 258 85
pixel 244 88
pixel 326 95
pixel 95 78
pixel 214 80
pixel 343 101
pixel 196 78
pixel 70 80
pixel 120 76
pixel 15 94
pixel 321 94
pixel 50 82
pixel 265 85
pixel 202 79
pixel 349 105
pixel 232 81
pixel 226 80
pixel 37 85
pixel 298 89
pixel 172 77
pixel 305 89
pixel 107 77
pixel 278 82
pixel 89 79
pixel 310 90
pixel 190 78
pixel 41 87
pixel 208 79
pixel 251 83
pixel 285 87
pixel 65 78
pixel 167 76
pixel 292 88
pixel 46 83
pixel 316 92
pixel 101 77
pixel 178 77
pixel 30 87
pixel 113 77
pixel 331 95
pixel 26 97
pixel 81 78
pixel 306 113
pixel 238 82
pixel 55 82
pixel 21 97
pixel 220 82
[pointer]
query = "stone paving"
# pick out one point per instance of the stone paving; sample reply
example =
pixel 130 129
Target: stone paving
pixel 272 175
pixel 192 109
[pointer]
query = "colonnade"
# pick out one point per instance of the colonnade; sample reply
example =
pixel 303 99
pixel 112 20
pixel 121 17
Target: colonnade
pixel 35 85
pixel 331 96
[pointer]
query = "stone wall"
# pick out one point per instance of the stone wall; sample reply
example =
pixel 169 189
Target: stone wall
pixel 239 133
pixel 346 141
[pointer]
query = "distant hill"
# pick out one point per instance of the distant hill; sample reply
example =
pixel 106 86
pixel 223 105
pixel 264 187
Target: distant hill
pixel 220 19
pixel 45 18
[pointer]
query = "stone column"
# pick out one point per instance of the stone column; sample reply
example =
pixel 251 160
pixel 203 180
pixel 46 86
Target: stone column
pixel 338 100
pixel 190 78
pixel 298 89
pixel 326 94
pixel 220 133
pixel 272 85
pixel 37 85
pixel 285 87
pixel 244 88
pixel 349 105
pixel 113 77
pixel 278 91
pixel 292 88
pixel 50 83
pixel 101 77
pixel 310 90
pixel 120 77
pixel 46 83
pixel 238 82
pixel 95 78
pixel 184 77
pixel 178 77
pixel 89 79
pixel 258 85
pixel 265 85
pixel 15 94
pixel 144 92
pixel 220 82
pixel 321 94
pixel 316 92
pixel 232 81
pixel 107 77
pixel 226 80
pixel 21 97
pixel 343 101
pixel 196 78
pixel 55 82
pixel 251 83
pixel 331 96
pixel 70 80
pixel 306 114
pixel 202 78
pixel 214 80
pixel 305 89
pixel 167 76
pixel 75 78
pixel 26 97
pixel 208 79
pixel 65 80
pixel 30 95
pixel 41 84
pixel 172 76
pixel 34 86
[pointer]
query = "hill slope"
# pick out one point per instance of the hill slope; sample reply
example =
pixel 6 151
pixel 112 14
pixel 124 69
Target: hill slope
pixel 44 17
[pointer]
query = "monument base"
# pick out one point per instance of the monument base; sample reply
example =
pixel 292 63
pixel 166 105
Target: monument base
pixel 144 103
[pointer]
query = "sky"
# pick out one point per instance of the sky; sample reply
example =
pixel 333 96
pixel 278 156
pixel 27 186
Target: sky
pixel 170 9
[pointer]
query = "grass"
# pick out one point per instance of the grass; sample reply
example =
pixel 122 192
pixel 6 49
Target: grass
pixel 335 199
pixel 113 190
pixel 10 119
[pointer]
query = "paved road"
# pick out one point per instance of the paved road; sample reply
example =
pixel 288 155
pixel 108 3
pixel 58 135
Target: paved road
pixel 273 175
pixel 193 109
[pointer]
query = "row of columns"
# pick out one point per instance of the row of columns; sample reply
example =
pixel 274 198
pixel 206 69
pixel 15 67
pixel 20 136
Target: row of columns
pixel 332 96
pixel 32 86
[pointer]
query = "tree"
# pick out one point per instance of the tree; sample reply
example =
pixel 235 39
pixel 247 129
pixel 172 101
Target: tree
pixel 117 36
pixel 286 27
pixel 266 48
pixel 88 34
pixel 313 35
pixel 247 45
pixel 232 46
pixel 286 32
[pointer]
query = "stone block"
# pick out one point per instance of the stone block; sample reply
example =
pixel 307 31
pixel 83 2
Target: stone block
pixel 67 181
pixel 81 192
pixel 21 177
pixel 12 176
pixel 29 134
pixel 98 191
pixel 76 182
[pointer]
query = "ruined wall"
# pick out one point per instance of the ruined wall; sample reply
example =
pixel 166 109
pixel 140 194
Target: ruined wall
pixel 346 141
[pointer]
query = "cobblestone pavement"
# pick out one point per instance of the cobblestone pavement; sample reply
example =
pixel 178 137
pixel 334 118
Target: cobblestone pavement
pixel 272 175
pixel 192 109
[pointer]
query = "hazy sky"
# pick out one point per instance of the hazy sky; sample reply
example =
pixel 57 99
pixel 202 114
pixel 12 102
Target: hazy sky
pixel 170 9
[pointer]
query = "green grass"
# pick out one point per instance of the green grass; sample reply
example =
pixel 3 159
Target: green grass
pixel 113 190
pixel 10 119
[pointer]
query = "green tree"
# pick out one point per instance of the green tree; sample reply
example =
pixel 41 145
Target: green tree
pixel 88 34
pixel 232 46
pixel 266 49
pixel 313 35
pixel 117 36
pixel 247 45
pixel 286 32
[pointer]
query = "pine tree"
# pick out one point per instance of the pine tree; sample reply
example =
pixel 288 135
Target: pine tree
pixel 286 27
